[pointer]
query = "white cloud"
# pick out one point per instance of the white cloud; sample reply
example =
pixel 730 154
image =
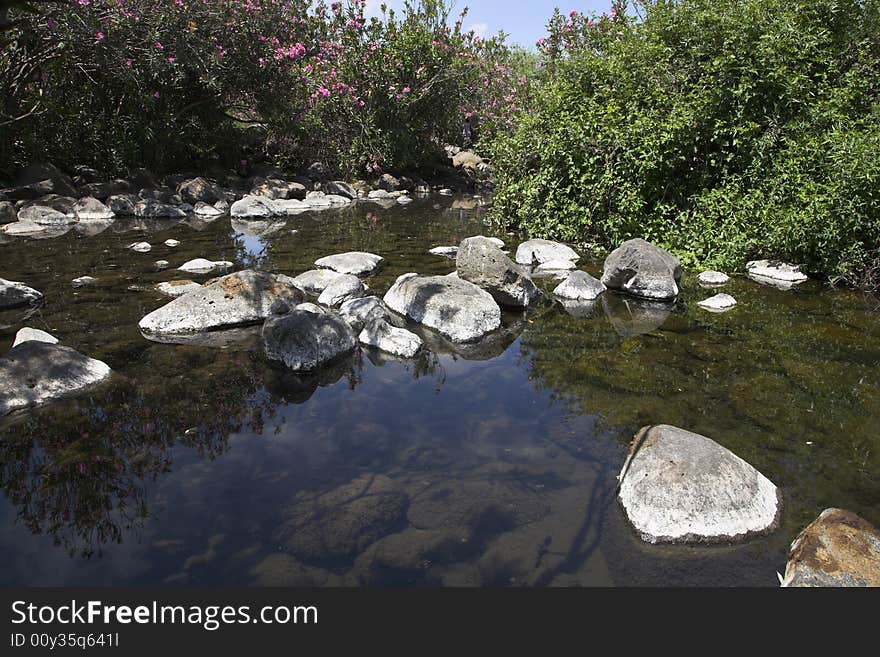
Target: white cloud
pixel 479 29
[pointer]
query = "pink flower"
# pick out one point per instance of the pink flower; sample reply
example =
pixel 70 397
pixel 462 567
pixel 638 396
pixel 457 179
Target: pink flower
pixel 99 36
pixel 406 90
pixel 171 60
pixel 155 94
pixel 159 46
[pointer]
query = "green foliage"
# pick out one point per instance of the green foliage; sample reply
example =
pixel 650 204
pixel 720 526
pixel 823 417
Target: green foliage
pixel 723 130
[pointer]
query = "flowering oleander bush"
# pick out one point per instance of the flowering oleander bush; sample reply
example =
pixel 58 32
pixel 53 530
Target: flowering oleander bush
pixel 721 129
pixel 118 83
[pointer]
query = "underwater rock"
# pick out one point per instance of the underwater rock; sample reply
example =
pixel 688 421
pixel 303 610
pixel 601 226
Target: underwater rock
pixel 354 263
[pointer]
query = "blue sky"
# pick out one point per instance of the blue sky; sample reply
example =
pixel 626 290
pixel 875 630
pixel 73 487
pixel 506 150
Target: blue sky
pixel 523 21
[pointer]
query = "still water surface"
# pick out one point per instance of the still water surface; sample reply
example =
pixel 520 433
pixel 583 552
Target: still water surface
pixel 489 465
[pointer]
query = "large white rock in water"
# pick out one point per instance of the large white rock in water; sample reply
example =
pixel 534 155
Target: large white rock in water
pixel 239 299
pixel 203 209
pixel 681 487
pixel 480 261
pixel 541 251
pixel 45 216
pixel 26 334
pixel 345 288
pixel 15 295
pixel 713 278
pixel 455 308
pixel 354 263
pixel 253 206
pixel 643 270
pixel 37 372
pixel 445 251
pixel 380 334
pixel 837 549
pixel 314 282
pixel 579 286
pixel 776 270
pixel 202 266
pixel 305 340
pixel 178 288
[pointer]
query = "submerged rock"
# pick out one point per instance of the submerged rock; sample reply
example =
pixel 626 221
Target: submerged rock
pixel 354 263
pixel 643 270
pixel 16 295
pixel 305 341
pixel 776 270
pixel 239 299
pixel 541 251
pixel 480 261
pixel 457 309
pixel 37 372
pixel 837 549
pixel 26 334
pixel 631 317
pixel 380 334
pixel 345 288
pixel 579 286
pixel 720 303
pixel 681 487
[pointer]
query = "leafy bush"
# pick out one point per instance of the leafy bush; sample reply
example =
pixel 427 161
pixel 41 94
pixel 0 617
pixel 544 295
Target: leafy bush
pixel 723 130
pixel 118 83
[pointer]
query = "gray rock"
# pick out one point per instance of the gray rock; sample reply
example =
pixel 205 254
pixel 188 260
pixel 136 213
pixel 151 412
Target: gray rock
pixel 314 282
pixel 380 334
pixel 404 200
pixel 481 262
pixel 83 281
pixel 540 251
pixel 199 190
pixel 63 204
pixel 44 216
pixel 17 295
pixel 357 312
pixel 26 334
pixel 123 204
pixel 380 195
pixel 450 252
pixel 713 278
pixel 345 288
pixel 45 178
pixel 305 341
pixel 290 207
pixel 7 212
pixel 172 244
pixel 776 270
pixel 161 264
pixel 140 247
pixel 317 171
pixel 459 310
pixel 579 286
pixel 317 201
pixel 279 190
pixel 37 372
pixel 643 270
pixel 150 208
pixel 239 299
pixel 308 308
pixel 838 549
pixel 681 487
pixel 389 183
pixel 178 288
pixel 720 303
pixel 91 208
pixel 205 210
pixel 339 188
pixel 253 206
pixel 201 266
pixel 354 263
pixel 554 268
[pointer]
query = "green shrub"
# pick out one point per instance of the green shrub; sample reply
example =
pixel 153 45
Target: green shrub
pixel 723 130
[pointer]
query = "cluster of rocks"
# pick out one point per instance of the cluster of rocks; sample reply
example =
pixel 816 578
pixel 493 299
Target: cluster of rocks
pixel 45 201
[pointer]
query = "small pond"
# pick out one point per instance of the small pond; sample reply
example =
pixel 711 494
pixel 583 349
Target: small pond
pixel 488 465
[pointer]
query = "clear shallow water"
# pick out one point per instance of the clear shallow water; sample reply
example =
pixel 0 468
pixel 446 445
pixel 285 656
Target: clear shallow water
pixel 492 465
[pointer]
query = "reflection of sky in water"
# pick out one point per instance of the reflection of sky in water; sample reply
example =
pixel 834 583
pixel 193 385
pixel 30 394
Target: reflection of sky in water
pixel 256 247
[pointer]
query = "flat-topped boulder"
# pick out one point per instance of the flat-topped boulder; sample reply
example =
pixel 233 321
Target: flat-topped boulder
pixel 36 372
pixel 314 282
pixel 713 278
pixel 450 252
pixel 239 299
pixel 540 251
pixel 838 549
pixel 203 266
pixel 355 263
pixel 177 288
pixel 480 261
pixel 720 303
pixel 457 309
pixel 305 341
pixel 16 295
pixel 643 270
pixel 579 286
pixel 345 288
pixel 776 270
pixel 681 487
